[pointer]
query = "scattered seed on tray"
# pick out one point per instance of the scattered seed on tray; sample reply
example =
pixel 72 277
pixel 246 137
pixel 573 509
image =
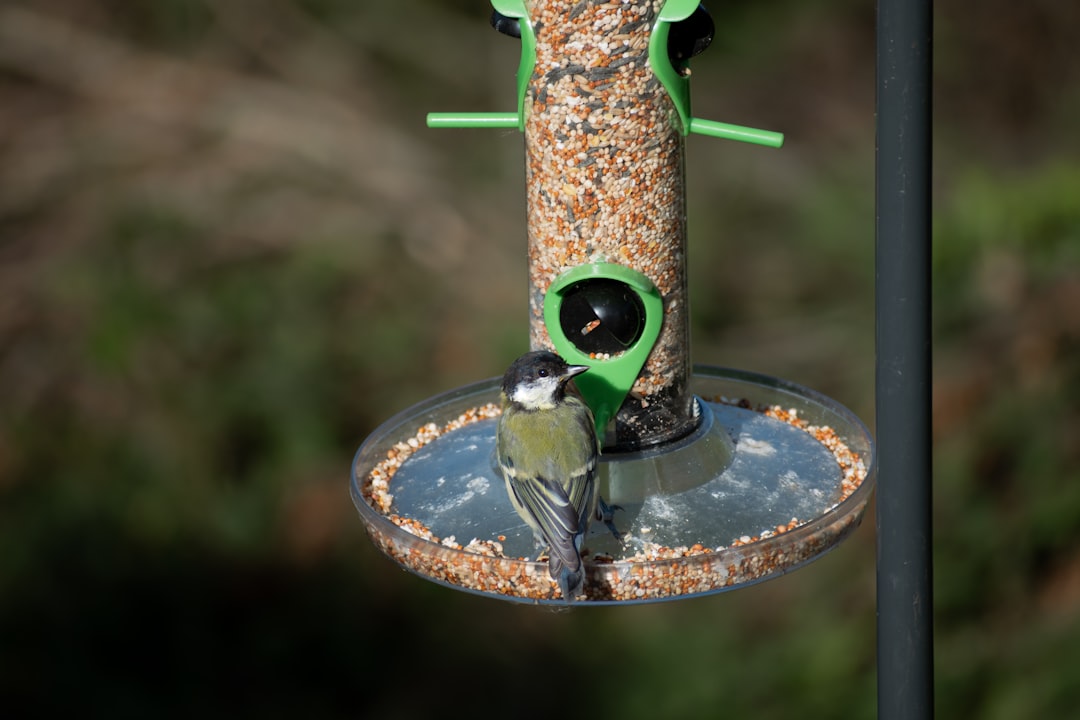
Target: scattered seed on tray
pixel 654 571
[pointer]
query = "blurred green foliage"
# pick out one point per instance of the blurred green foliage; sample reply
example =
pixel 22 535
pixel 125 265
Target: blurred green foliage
pixel 229 249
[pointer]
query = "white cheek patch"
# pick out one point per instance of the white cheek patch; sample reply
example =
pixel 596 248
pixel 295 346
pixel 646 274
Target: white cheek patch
pixel 537 395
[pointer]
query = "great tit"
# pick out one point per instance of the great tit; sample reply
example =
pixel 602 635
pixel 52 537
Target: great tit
pixel 547 451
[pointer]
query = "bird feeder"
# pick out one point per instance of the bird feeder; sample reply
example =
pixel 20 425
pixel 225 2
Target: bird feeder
pixel 722 477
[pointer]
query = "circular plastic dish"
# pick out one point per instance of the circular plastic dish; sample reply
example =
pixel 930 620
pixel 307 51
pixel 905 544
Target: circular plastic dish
pixel 774 476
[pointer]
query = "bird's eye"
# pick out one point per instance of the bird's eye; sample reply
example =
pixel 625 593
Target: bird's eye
pixel 542 372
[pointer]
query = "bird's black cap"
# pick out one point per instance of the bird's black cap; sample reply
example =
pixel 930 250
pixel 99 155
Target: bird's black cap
pixel 538 364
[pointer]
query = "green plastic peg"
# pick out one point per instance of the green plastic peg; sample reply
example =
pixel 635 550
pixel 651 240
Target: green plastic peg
pixel 678 85
pixel 511 9
pixel 516 9
pixel 610 378
pixel 472 120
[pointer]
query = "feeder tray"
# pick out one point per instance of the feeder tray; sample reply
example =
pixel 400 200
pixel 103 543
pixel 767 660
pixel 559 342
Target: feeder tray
pixel 773 476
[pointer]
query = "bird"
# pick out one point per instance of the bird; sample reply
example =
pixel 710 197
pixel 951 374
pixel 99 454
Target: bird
pixel 547 452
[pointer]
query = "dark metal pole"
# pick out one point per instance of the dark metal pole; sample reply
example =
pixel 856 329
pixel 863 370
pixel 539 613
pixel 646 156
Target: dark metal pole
pixel 904 590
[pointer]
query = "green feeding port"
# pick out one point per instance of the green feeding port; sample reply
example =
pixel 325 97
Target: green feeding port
pixel 606 316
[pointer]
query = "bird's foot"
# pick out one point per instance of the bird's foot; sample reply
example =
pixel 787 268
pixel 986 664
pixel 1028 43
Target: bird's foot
pixel 606 514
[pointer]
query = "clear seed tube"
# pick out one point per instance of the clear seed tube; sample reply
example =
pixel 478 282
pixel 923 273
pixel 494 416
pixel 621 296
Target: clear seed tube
pixel 605 183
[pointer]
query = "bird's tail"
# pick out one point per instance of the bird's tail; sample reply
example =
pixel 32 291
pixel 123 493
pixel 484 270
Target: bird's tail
pixel 571 581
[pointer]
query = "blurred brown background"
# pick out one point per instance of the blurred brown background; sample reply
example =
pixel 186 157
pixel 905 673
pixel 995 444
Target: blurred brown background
pixel 229 248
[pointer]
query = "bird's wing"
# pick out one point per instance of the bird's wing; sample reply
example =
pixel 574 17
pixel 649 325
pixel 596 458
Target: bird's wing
pixel 583 490
pixel 557 517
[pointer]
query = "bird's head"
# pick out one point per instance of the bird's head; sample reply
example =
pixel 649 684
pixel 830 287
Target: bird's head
pixel 537 380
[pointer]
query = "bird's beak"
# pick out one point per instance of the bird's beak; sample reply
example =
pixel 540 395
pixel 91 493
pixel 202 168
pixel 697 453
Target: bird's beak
pixel 573 370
